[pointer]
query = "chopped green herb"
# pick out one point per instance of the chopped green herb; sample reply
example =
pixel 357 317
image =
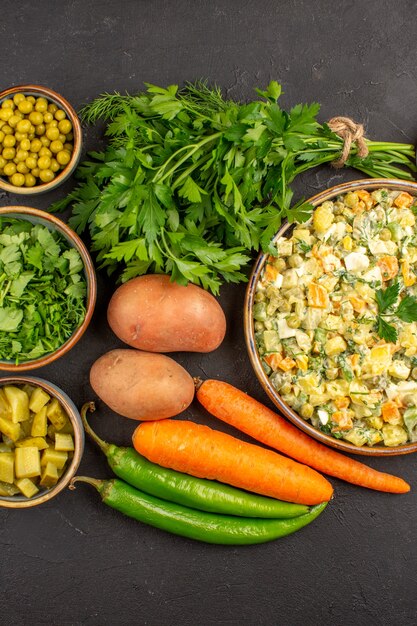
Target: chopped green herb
pixel 42 290
pixel 303 246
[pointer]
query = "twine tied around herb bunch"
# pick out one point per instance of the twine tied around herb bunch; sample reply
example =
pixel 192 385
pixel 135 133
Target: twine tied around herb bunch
pixel 350 132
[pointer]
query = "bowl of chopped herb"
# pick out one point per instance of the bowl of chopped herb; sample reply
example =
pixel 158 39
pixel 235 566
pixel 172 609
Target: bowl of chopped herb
pixel 47 288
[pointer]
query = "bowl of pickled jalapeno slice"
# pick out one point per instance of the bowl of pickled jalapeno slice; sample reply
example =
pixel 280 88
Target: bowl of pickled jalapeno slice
pixel 41 441
pixel 331 318
pixel 40 139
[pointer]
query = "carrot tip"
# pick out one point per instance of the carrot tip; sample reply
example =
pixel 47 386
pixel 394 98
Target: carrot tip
pixel 197 382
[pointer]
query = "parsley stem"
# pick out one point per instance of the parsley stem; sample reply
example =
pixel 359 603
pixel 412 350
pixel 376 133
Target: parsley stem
pixel 196 147
pixel 188 171
pixel 4 292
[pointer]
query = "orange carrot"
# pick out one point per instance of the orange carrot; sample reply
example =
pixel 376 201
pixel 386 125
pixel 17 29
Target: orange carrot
pixel 274 360
pixel 200 451
pixel 317 296
pixel 390 412
pixel 366 198
pixel 408 276
pixel 403 200
pixel 253 418
pixel 388 266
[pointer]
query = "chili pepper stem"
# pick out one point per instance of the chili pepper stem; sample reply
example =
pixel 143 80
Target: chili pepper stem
pixel 94 482
pixel 104 487
pixel 103 445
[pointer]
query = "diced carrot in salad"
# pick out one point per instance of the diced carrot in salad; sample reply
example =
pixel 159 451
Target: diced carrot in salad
pixel 390 412
pixel 287 364
pixel 357 303
pixel 342 402
pixel 366 198
pixel 354 359
pixel 388 266
pixel 317 296
pixel 343 421
pixel 271 272
pixel 404 199
pixel 408 276
pixel 273 360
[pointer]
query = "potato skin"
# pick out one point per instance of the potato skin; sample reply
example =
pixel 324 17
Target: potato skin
pixel 152 313
pixel 141 385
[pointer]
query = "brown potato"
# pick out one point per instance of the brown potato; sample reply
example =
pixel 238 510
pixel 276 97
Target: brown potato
pixel 152 313
pixel 141 385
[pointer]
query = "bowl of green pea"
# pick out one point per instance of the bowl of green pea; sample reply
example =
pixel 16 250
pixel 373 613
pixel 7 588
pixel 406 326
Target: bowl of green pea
pixel 40 139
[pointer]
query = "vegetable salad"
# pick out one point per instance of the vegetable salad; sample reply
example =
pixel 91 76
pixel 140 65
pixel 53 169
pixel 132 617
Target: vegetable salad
pixel 336 318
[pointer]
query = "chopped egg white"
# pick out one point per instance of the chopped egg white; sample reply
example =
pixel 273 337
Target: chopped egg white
pixel 372 275
pixel 284 331
pixel 323 416
pixel 356 262
pixel 278 281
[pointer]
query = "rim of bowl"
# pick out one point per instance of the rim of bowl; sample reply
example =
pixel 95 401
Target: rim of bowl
pixel 39 90
pixel 70 235
pixel 249 332
pixel 21 502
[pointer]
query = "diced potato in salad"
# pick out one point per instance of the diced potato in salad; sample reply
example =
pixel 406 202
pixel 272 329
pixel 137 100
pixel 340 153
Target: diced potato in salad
pixel 315 316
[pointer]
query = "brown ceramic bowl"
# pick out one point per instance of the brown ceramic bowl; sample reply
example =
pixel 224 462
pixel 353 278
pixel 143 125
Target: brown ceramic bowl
pixel 54 224
pixel 51 96
pixel 20 501
pixel 296 419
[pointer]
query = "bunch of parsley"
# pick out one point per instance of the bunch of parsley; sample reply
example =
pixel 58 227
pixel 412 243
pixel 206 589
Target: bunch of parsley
pixel 191 183
pixel 42 290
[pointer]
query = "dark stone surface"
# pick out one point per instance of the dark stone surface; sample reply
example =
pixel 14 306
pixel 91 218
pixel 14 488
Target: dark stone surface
pixel 73 561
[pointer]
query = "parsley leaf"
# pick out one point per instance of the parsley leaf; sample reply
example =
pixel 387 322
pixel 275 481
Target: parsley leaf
pixel 75 263
pixel 191 191
pixel 407 309
pixel 301 212
pixel 19 284
pixel 387 297
pixel 10 319
pixel 386 331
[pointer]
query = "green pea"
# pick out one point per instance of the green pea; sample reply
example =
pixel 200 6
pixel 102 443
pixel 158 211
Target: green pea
pixel 293 321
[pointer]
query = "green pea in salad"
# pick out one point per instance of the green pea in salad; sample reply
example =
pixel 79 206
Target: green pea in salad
pixel 336 318
pixel 43 290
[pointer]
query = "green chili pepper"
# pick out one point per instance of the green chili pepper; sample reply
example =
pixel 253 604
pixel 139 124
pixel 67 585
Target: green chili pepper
pixel 197 493
pixel 199 525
